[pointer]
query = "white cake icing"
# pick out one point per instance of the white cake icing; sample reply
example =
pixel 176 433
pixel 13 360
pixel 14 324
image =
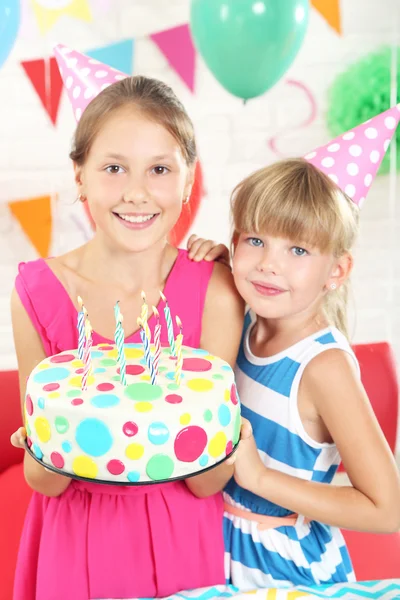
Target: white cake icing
pixel 134 434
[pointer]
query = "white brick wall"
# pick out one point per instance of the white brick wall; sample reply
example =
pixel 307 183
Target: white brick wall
pixel 232 140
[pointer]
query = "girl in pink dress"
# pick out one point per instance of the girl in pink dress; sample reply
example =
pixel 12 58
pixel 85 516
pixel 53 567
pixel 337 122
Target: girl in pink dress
pixel 134 156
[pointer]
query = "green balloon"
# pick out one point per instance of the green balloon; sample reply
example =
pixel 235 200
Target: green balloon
pixel 248 44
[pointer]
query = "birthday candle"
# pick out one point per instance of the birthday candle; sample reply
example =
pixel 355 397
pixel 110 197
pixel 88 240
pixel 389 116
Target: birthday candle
pixel 119 342
pixel 147 353
pixel 170 328
pixel 157 341
pixel 87 358
pixel 144 316
pixel 81 328
pixel 179 357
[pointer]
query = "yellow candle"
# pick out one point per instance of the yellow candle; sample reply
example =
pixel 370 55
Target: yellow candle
pixel 144 316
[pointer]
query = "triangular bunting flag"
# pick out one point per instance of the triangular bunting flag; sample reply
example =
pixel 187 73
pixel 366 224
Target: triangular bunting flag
pixel 330 11
pixel 46 79
pixel 119 55
pixel 177 46
pixel 47 13
pixel 34 216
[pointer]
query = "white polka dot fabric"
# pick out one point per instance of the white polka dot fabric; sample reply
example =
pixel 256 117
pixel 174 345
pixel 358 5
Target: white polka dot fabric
pixel 353 159
pixel 83 77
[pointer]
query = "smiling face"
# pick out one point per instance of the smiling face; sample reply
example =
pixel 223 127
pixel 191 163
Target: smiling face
pixel 135 179
pixel 279 278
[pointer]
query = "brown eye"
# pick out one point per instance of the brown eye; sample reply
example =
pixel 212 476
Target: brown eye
pixel 113 169
pixel 159 170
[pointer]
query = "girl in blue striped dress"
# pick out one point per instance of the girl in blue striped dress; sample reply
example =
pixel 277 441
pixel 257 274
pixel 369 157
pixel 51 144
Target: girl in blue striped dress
pixel 299 385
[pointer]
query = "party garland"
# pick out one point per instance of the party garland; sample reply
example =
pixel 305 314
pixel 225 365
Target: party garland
pixel 362 92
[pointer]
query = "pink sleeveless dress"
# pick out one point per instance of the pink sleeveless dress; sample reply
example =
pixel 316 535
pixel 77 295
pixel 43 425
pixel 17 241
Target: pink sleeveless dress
pixel 104 541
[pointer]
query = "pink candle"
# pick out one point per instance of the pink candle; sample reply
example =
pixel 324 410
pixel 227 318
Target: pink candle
pixel 157 340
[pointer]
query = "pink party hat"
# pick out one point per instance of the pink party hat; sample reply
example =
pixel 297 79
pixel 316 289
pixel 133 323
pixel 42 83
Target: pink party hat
pixel 83 77
pixel 352 159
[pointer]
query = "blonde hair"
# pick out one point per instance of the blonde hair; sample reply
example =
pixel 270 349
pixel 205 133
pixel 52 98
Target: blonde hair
pixel 152 97
pixel 293 199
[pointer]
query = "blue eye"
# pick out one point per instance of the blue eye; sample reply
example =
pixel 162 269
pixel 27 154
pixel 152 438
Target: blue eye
pixel 114 169
pixel 255 242
pixel 297 251
pixel 160 170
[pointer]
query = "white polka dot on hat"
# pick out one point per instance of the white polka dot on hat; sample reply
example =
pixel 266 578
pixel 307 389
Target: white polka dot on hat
pixel 83 77
pixel 352 160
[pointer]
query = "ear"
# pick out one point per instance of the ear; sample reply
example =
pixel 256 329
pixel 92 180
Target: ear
pixel 78 170
pixel 189 180
pixel 340 272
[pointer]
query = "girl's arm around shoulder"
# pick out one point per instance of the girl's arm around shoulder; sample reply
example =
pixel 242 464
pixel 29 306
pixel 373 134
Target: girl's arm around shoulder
pixel 30 353
pixel 221 331
pixel 223 316
pixel 372 503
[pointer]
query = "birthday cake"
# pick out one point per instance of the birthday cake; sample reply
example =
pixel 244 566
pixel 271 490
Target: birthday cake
pixel 132 430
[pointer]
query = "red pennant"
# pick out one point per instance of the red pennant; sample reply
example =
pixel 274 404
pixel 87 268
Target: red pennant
pixel 46 79
pixel 189 210
pixel 177 46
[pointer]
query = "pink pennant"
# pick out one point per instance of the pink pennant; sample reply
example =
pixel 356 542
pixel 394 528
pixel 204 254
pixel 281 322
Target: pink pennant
pixel 177 46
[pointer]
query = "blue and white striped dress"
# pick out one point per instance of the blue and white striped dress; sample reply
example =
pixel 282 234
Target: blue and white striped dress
pixel 307 553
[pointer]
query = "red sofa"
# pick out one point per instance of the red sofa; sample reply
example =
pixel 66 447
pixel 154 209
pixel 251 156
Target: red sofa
pixel 374 556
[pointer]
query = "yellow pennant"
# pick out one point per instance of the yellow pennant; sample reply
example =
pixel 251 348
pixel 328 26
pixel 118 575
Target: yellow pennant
pixel 48 12
pixel 330 11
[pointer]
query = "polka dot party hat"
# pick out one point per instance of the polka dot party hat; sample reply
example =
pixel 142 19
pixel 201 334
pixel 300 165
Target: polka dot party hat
pixel 353 159
pixel 83 77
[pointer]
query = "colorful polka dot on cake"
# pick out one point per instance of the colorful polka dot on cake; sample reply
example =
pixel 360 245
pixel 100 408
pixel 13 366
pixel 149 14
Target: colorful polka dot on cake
pixel 143 407
pixel 132 370
pixel 224 415
pixel 61 424
pixel 158 433
pixel 77 401
pixel 51 375
pixel 190 443
pixel 57 460
pixel 173 399
pixel 132 353
pixel 29 405
pixel 229 448
pixel 51 387
pixel 37 451
pixel 134 451
pixel 83 466
pixel 159 467
pixel 133 476
pixel 200 385
pixel 115 467
pixel 203 460
pixel 234 396
pixel 143 391
pixel 217 444
pixel 77 381
pixel 105 387
pixel 93 437
pixel 66 446
pixel 105 400
pixel 43 429
pixel 62 358
pixel 196 364
pixel 184 419
pixel 130 428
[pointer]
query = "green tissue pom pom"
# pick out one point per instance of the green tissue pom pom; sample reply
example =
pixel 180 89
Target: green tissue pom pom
pixel 362 92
